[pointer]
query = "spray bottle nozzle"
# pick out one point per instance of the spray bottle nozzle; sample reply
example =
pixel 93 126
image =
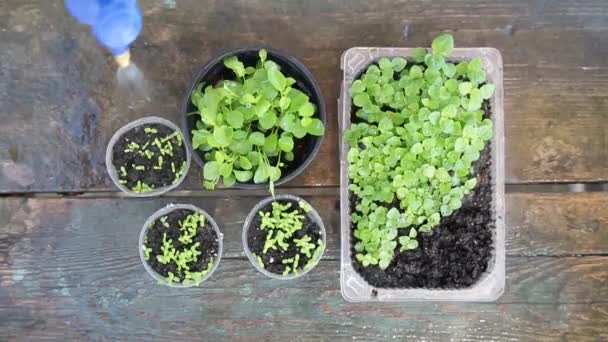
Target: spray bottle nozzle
pixel 123 60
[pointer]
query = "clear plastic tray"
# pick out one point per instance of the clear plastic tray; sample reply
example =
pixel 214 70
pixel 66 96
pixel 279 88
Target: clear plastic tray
pixel 126 128
pixel 491 285
pixel 164 211
pixel 313 214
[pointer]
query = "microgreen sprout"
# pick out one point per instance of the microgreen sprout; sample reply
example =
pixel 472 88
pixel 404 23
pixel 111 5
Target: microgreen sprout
pixel 248 125
pixel 150 130
pixel 141 187
pixel 419 130
pixel 147 252
pixel 305 206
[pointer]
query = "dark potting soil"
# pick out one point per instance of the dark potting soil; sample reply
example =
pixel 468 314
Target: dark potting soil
pixel 154 178
pixel 272 259
pixel 456 253
pixel 206 236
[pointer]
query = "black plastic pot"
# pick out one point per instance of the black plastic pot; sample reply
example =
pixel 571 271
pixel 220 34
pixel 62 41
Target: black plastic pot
pixel 305 149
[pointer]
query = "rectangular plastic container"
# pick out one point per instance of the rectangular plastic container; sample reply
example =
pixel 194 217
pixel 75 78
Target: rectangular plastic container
pixel 491 285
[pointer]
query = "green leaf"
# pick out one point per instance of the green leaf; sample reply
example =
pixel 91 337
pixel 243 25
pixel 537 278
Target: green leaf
pixel 306 122
pixel 385 125
pixel 385 63
pixel 211 170
pixel 248 99
pixel 223 135
pixel 415 71
pixel 464 88
pixel 261 174
pixel 243 176
pixel 274 173
pixel 399 63
pixel 357 87
pixel 298 98
pixel 460 145
pixel 229 180
pixel 315 128
pixel 270 144
pixel 306 110
pixel 257 138
pixel 475 65
pixel 244 163
pixel 487 90
pixel 225 169
pixel 288 123
pixel 412 244
pixel 418 54
pixel 199 138
pixel 263 55
pixel 417 148
pixel 262 107
pixel 235 65
pixel 429 171
pixel 276 78
pixel 268 119
pixel 284 102
pixel 286 143
pixel 235 119
pixel 413 233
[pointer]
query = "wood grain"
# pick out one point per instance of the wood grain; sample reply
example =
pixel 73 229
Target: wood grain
pixel 69 270
pixel 59 106
pixel 567 224
pixel 104 297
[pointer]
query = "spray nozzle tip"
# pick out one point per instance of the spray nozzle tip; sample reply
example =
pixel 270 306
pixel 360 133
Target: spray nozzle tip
pixel 123 60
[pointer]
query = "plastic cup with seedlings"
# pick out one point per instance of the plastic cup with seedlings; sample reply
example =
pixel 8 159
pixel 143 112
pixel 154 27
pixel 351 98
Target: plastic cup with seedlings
pixel 147 157
pixel 180 245
pixel 284 237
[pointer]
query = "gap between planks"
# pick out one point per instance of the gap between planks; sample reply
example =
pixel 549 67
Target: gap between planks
pixel 321 190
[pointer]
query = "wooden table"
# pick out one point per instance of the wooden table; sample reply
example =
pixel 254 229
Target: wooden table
pixel 69 267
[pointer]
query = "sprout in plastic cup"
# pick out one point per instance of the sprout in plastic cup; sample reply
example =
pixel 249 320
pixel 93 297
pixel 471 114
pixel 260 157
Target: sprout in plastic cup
pixel 284 237
pixel 180 245
pixel 147 157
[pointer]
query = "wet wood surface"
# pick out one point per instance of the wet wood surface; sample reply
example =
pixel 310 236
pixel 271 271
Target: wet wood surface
pixel 69 267
pixel 60 106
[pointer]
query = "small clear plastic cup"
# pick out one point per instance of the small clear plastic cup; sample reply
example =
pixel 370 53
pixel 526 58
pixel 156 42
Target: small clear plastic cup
pixel 126 128
pixel 249 220
pixel 164 211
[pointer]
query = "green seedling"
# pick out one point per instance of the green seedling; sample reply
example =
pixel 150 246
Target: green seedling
pixel 141 187
pixel 419 130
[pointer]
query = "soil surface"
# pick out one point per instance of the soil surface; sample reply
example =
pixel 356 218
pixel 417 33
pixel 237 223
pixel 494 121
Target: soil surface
pixel 456 253
pixel 206 236
pixel 130 160
pixel 273 258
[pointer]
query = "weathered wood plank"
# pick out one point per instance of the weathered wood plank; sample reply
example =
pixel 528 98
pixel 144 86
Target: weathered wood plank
pixel 112 298
pixel 59 107
pixel 565 224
